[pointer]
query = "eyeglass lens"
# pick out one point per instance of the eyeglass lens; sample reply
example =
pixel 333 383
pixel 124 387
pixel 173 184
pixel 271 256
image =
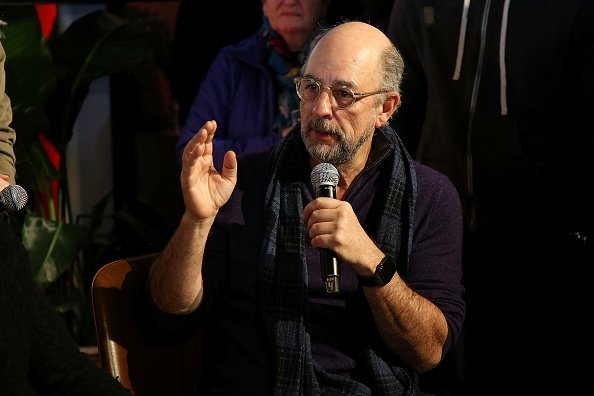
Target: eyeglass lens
pixel 310 90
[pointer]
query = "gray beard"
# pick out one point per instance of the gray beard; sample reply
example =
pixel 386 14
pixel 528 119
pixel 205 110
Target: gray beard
pixel 340 153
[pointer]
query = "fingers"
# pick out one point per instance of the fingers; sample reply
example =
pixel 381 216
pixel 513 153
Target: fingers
pixel 204 189
pixel 333 224
pixel 318 204
pixel 229 170
pixel 3 181
pixel 200 145
pixel 326 218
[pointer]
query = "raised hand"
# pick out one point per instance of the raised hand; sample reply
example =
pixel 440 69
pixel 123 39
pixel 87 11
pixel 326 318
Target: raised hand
pixel 204 189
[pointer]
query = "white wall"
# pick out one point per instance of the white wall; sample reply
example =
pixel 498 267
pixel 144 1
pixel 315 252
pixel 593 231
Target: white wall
pixel 89 153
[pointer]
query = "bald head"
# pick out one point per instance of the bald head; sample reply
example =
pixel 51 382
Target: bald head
pixel 360 47
pixel 356 35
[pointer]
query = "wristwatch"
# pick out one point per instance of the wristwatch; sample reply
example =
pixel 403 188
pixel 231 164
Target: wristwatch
pixel 384 272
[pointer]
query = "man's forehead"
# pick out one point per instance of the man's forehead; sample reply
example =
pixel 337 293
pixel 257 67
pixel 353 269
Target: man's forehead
pixel 351 69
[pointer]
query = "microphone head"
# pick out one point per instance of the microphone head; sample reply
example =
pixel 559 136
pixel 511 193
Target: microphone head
pixel 324 174
pixel 13 198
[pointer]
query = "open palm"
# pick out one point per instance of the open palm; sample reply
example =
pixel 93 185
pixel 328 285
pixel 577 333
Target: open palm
pixel 204 189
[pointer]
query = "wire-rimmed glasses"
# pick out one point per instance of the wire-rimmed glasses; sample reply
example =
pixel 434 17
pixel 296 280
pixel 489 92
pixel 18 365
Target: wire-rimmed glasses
pixel 309 89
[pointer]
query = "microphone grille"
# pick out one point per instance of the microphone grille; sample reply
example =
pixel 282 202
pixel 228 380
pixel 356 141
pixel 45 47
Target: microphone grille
pixel 324 174
pixel 13 198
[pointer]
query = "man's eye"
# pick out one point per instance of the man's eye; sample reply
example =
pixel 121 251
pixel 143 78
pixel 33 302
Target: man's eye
pixel 311 87
pixel 342 93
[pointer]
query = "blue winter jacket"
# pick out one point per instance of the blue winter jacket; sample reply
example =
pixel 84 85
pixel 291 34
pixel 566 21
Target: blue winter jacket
pixel 238 92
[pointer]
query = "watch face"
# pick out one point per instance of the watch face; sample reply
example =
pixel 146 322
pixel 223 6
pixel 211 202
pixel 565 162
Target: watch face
pixel 380 274
pixel 387 270
pixel 383 274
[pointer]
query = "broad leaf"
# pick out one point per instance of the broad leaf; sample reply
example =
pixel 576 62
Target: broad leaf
pixel 53 246
pixel 95 45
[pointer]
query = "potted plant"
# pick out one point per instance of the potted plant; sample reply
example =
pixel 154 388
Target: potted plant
pixel 47 81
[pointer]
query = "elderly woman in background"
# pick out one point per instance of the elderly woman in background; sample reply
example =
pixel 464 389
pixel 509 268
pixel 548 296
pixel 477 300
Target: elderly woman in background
pixel 249 87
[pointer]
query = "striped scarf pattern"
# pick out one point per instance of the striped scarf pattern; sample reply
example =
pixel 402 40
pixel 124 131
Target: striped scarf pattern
pixel 283 274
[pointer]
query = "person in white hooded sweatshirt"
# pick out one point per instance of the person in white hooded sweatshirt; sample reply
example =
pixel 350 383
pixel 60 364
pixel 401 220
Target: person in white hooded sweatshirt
pixel 499 96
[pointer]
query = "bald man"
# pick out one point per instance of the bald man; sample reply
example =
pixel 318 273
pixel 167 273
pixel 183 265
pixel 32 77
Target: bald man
pixel 245 258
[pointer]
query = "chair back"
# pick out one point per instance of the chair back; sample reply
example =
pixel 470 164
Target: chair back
pixel 169 367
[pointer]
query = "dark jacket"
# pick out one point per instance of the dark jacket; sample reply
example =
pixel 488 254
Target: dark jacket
pixel 239 93
pixel 515 130
pixel 37 354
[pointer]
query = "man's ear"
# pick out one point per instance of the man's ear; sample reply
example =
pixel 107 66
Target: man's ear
pixel 387 109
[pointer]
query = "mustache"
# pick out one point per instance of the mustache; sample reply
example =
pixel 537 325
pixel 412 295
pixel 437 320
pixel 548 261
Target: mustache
pixel 325 127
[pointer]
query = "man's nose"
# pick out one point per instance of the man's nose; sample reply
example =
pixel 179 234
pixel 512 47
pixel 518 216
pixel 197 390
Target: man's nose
pixel 324 102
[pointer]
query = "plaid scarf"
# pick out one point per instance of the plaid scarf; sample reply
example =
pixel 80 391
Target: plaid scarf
pixel 283 274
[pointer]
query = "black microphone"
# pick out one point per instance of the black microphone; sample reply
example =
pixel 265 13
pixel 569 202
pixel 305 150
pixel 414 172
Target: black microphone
pixel 13 198
pixel 324 178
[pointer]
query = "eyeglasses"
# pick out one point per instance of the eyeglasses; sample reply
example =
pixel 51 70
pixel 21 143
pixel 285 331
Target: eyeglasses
pixel 309 89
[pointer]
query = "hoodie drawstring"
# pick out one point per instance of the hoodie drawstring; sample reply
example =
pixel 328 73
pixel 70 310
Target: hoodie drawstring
pixel 502 68
pixel 461 40
pixel 502 38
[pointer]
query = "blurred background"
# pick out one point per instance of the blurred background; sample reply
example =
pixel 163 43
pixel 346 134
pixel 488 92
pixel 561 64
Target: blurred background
pixel 98 91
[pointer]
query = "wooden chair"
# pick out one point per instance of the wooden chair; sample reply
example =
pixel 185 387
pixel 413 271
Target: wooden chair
pixel 169 367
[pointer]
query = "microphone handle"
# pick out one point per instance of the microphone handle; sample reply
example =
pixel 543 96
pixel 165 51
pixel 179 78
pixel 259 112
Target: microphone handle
pixel 330 269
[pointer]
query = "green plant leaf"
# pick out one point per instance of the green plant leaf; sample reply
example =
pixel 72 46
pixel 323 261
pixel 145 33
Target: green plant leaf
pixel 98 213
pixel 30 75
pixel 53 246
pixel 95 45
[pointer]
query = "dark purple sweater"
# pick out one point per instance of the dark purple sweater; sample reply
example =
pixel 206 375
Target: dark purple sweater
pixel 237 348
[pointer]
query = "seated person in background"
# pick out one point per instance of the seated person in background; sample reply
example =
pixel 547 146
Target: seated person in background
pixel 245 255
pixel 249 88
pixel 37 354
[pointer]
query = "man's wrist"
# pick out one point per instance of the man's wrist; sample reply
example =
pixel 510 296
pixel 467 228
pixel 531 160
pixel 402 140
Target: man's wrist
pixel 383 274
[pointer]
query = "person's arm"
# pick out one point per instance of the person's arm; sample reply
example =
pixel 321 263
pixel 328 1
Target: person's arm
pixel 7 134
pixel 175 278
pixel 412 326
pixel 432 290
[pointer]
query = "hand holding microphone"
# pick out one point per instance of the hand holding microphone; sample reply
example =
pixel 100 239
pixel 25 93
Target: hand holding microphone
pixel 324 178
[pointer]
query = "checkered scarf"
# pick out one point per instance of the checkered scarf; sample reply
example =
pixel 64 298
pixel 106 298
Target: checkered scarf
pixel 283 275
